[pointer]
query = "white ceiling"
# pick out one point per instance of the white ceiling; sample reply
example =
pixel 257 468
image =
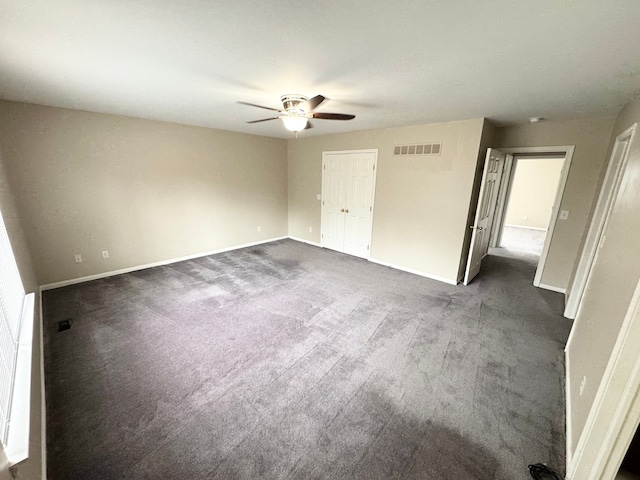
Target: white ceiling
pixel 389 63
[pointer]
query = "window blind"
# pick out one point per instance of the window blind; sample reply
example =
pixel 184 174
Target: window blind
pixel 11 303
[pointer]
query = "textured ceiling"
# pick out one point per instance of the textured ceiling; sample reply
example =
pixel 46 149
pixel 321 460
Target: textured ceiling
pixel 390 63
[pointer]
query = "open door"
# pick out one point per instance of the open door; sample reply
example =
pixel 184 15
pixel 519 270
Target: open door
pixel 491 176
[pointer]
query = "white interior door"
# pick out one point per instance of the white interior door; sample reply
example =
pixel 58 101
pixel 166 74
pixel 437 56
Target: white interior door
pixel 359 204
pixel 348 184
pixel 334 178
pixel 491 176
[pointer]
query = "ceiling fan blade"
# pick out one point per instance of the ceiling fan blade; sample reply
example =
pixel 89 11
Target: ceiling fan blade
pixel 259 106
pixel 333 116
pixel 264 120
pixel 313 103
pixel 309 125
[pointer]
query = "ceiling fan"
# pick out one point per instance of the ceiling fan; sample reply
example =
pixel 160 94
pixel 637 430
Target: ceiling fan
pixel 297 110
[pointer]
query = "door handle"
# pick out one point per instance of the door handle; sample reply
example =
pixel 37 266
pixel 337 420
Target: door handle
pixel 346 210
pixel 342 210
pixel 476 228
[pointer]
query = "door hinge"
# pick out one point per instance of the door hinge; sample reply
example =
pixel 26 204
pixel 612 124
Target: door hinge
pixel 371 209
pixel 367 247
pixel 322 236
pixel 324 167
pixel 322 202
pixel 374 166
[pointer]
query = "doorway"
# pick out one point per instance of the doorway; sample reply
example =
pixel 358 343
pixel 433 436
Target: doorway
pixel 529 204
pixel 348 190
pixel 522 153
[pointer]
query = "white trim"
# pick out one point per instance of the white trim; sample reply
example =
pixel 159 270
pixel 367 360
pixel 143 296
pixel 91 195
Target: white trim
pixel 308 242
pixel 615 410
pixel 98 276
pixel 522 226
pixel 562 183
pixel 544 150
pixel 608 192
pixel 415 272
pixel 551 287
pixel 17 448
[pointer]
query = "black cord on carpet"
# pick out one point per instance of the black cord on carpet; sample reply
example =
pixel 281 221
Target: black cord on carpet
pixel 540 471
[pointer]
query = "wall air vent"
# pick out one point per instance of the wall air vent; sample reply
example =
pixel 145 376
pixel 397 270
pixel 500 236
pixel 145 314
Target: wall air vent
pixel 420 149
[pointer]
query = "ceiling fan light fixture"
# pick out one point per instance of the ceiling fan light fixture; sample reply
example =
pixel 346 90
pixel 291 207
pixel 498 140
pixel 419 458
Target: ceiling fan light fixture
pixel 297 110
pixel 295 123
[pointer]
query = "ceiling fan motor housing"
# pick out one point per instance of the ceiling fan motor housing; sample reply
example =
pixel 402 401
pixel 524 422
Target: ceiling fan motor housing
pixel 293 102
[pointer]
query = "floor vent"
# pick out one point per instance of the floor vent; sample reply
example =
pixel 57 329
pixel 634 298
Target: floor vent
pixel 419 149
pixel 64 325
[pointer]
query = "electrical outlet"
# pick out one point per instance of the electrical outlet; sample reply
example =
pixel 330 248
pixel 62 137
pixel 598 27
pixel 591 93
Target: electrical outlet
pixel 583 383
pixel 310 229
pixel 78 258
pixel 259 229
pixel 105 254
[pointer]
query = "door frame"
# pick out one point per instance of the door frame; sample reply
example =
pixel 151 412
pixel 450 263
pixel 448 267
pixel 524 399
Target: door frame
pixel 563 150
pixel 615 414
pixel 608 192
pixel 374 151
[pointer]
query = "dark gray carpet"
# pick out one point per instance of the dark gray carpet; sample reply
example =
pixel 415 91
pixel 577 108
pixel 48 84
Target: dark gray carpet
pixel 289 361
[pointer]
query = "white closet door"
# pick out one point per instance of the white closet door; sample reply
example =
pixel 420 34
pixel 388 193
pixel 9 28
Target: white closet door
pixel 348 184
pixel 333 201
pixel 359 204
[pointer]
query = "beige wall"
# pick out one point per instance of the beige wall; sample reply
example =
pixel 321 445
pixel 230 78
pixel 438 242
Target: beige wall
pixel 613 278
pixel 533 192
pixel 145 191
pixel 421 202
pixel 32 467
pixel 591 138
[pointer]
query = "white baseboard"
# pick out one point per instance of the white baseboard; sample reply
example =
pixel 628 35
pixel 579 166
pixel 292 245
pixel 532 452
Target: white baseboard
pixel 552 288
pixel 305 241
pixel 415 272
pixel 98 276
